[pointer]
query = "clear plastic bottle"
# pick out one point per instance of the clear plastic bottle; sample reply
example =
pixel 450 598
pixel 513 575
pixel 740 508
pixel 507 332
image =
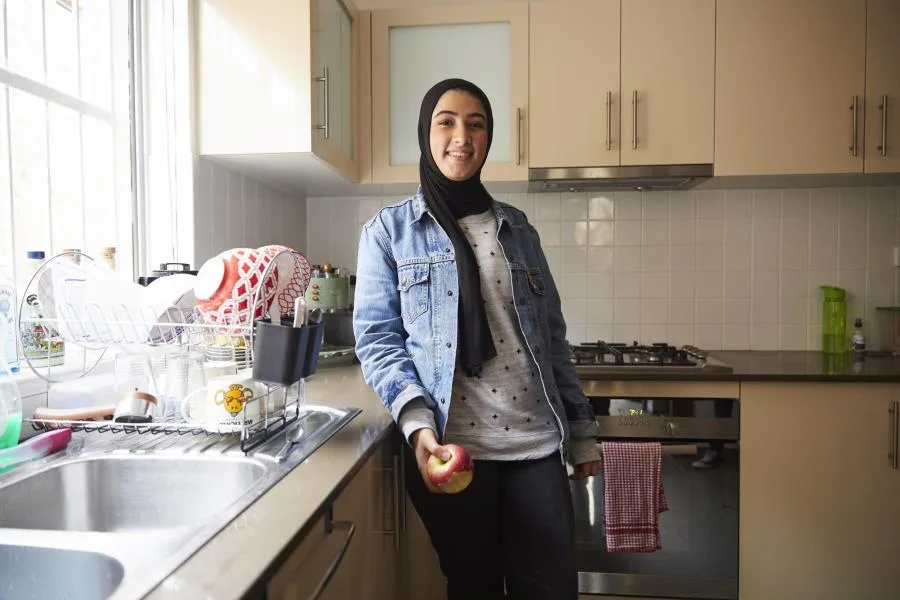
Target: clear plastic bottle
pixel 10 401
pixel 41 344
pixel 859 338
pixel 8 345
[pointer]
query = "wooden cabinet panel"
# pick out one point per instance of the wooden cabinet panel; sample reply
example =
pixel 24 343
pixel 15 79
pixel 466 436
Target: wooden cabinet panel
pixel 668 66
pixel 574 62
pixel 819 496
pixel 883 82
pixel 400 79
pixel 786 77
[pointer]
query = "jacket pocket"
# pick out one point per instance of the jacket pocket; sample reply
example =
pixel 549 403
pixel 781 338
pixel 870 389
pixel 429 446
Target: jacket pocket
pixel 413 287
pixel 536 282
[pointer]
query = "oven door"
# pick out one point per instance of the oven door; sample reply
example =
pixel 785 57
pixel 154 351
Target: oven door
pixel 699 532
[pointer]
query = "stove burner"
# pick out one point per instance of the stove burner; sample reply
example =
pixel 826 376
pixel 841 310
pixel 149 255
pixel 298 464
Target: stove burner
pixel 615 354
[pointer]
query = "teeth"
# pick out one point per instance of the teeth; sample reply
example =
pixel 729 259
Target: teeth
pixel 459 154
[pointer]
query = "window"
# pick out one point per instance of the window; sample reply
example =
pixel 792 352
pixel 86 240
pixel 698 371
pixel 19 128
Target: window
pixel 65 130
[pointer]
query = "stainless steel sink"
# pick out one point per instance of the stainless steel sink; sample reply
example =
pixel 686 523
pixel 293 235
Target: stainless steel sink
pixel 122 493
pixel 131 508
pixel 37 573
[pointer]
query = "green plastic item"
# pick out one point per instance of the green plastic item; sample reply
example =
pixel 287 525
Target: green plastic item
pixel 834 320
pixel 10 401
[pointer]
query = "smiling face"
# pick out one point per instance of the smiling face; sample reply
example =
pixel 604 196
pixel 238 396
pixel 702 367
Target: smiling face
pixel 459 135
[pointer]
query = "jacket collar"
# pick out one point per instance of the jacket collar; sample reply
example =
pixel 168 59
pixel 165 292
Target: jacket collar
pixel 420 208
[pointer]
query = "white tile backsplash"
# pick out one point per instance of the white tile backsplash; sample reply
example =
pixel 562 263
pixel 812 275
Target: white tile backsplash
pixel 232 210
pixel 732 269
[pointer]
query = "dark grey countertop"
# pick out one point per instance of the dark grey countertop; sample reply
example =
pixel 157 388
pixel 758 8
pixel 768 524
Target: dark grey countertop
pixel 765 365
pixel 809 366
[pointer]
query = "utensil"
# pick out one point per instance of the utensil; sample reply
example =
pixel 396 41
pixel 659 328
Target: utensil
pixel 300 311
pixel 35 447
pixel 292 437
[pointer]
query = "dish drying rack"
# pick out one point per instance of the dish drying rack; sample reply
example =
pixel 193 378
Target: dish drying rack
pixel 93 328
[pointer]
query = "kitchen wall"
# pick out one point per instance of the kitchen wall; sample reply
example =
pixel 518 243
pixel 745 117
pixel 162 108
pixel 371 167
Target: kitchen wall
pixel 232 210
pixel 732 269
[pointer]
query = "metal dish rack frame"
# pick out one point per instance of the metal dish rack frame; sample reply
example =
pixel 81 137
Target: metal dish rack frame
pixel 96 329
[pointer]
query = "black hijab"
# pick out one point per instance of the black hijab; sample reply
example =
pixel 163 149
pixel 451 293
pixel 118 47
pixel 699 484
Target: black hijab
pixel 448 201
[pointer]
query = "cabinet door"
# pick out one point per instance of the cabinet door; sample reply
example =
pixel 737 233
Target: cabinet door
pixel 668 81
pixel 574 84
pixel 304 569
pixel 819 495
pixel 423 578
pixel 332 85
pixel 883 87
pixel 787 74
pixel 414 49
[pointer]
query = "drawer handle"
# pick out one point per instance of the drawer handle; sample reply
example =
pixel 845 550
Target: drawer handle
pixel 518 135
pixel 854 112
pixel 882 149
pixel 330 526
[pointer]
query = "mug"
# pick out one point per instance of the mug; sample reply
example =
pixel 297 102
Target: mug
pixel 224 405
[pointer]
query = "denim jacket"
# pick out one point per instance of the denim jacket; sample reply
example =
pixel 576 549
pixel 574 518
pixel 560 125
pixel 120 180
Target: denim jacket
pixel 405 317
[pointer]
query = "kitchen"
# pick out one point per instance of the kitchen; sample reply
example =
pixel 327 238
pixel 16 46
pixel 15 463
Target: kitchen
pixel 790 116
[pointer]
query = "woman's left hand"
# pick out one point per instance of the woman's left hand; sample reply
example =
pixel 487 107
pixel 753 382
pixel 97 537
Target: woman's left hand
pixel 588 469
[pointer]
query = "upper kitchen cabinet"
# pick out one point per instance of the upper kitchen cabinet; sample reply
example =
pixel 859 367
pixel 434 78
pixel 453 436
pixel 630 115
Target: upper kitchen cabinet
pixel 275 86
pixel 621 83
pixel 790 85
pixel 414 49
pixel 574 84
pixel 882 113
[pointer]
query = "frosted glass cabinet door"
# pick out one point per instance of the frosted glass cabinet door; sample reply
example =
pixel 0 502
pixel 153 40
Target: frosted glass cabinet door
pixel 414 49
pixel 332 50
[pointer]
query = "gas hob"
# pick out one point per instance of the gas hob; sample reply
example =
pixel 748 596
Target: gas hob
pixel 609 358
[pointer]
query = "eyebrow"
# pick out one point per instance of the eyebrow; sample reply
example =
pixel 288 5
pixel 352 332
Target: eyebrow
pixel 450 112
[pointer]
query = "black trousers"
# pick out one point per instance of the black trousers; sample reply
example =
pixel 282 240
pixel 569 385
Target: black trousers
pixel 513 524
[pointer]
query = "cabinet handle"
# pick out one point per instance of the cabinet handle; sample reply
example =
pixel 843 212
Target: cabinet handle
pixel 608 121
pixel 854 112
pixel 882 149
pixel 330 526
pixel 518 135
pixel 894 423
pixel 324 79
pixel 395 475
pixel 634 107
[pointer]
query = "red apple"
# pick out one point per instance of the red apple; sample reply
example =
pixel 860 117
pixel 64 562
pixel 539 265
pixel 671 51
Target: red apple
pixel 454 475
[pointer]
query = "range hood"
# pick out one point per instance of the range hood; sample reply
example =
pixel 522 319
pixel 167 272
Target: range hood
pixel 592 179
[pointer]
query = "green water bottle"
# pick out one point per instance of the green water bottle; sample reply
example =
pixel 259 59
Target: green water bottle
pixel 834 320
pixel 10 401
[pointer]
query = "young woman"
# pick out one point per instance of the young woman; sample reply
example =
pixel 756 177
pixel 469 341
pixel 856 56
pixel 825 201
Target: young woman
pixel 459 331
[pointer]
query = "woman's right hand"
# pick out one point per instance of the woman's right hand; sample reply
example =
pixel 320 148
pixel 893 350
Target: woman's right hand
pixel 425 444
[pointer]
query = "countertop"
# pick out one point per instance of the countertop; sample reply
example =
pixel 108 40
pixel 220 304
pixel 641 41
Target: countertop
pixel 232 562
pixel 759 365
pixel 809 366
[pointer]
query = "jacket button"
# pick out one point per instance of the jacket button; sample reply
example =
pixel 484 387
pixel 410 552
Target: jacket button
pixel 449 292
pixel 442 400
pixel 447 250
pixel 449 344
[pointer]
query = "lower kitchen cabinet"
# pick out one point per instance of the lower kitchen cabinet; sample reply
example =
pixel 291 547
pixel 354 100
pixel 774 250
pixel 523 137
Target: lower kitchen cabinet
pixel 422 576
pixel 367 565
pixel 820 491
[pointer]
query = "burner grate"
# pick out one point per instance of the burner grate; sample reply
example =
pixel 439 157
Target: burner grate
pixel 635 354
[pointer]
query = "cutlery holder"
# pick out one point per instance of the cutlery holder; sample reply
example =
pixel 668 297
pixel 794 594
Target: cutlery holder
pixel 283 354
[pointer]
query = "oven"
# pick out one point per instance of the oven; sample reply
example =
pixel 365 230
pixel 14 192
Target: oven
pixel 699 532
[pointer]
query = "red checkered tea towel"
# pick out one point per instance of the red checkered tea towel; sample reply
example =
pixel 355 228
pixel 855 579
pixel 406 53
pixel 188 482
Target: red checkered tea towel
pixel 633 495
